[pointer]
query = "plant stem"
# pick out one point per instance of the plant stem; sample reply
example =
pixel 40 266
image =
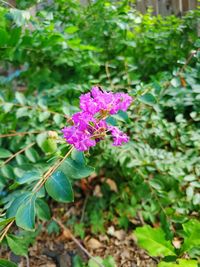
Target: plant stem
pixel 6 230
pixel 51 170
pixel 17 153
pixel 67 232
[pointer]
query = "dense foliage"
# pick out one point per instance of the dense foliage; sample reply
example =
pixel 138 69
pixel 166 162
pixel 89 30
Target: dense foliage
pixel 50 58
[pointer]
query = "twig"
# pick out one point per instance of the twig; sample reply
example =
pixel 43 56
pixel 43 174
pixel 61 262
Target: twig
pixel 6 230
pixel 128 79
pixel 68 233
pixel 6 3
pixel 42 181
pixel 108 75
pixel 20 133
pixel 187 61
pixel 84 207
pixel 19 152
pixel 27 262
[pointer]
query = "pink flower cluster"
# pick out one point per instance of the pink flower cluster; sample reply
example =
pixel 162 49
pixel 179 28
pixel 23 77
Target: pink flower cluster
pixel 90 126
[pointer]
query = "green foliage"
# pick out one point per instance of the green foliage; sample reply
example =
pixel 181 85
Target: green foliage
pixel 180 263
pixel 6 263
pixel 154 241
pixel 47 61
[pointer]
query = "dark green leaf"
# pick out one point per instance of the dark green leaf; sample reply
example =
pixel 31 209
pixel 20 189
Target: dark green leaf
pixel 59 187
pixel 16 203
pixel 75 170
pixel 148 99
pixel 25 216
pixel 29 177
pixel 42 210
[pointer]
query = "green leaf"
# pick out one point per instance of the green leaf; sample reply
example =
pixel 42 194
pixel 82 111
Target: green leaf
pixel 58 119
pixel 4 153
pixel 92 263
pixel 20 98
pixel 31 154
pixel 29 177
pixel 53 227
pixel 191 235
pixel 75 170
pixel 19 16
pixel 179 263
pixel 7 171
pixel 42 210
pixel 153 240
pixel 148 99
pixel 3 37
pixel 59 187
pixel 25 216
pixel 78 156
pixel 22 112
pixel 17 245
pixel 44 116
pixel 49 145
pixel 175 82
pixel 16 203
pixel 6 221
pixel 41 138
pixel 21 159
pixel 6 263
pixel 71 29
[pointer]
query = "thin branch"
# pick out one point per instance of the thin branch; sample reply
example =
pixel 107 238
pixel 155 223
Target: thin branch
pixel 67 233
pixel 19 152
pixel 20 133
pixel 108 75
pixel 84 207
pixel 192 54
pixel 42 181
pixel 127 74
pixel 4 232
pixel 6 3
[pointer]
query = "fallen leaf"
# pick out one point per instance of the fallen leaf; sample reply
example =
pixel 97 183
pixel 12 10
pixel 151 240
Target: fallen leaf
pixel 93 243
pixel 97 191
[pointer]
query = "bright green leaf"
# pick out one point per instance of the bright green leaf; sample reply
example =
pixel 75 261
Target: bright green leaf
pixel 179 263
pixel 6 263
pixel 153 240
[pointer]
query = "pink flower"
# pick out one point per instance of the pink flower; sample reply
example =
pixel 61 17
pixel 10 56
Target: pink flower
pixel 118 136
pixel 89 124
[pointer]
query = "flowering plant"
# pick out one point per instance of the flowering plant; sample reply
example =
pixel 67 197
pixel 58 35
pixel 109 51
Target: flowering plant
pixel 90 126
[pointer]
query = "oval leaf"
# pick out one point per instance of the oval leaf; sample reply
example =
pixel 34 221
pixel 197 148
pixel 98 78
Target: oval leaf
pixel 59 187
pixel 75 170
pixel 25 216
pixel 42 210
pixel 28 177
pixel 16 203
